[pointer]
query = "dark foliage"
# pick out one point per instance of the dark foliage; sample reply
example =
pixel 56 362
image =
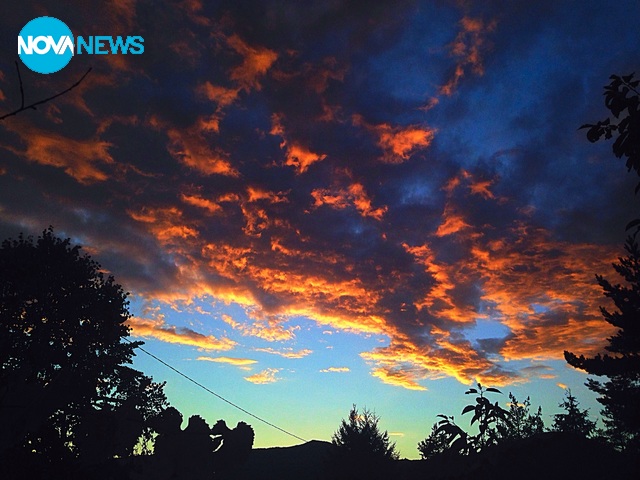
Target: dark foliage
pixel 492 420
pixel 574 421
pixel 361 450
pixel 65 388
pixel 623 101
pixel 197 452
pixel 435 444
pixel 548 456
pixel 233 446
pixel 521 423
pixel 620 394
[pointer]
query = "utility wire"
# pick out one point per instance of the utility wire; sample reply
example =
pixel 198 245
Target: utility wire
pixel 215 394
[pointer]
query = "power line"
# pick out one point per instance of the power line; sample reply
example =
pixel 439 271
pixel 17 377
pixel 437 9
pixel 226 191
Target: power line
pixel 215 394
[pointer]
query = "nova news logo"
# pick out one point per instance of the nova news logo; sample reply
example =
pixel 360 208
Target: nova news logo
pixel 46 45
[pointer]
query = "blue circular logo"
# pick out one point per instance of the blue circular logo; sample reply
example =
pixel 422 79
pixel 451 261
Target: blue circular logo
pixel 45 45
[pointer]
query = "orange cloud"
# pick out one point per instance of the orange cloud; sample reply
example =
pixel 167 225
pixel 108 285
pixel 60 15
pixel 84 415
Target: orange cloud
pixel 287 353
pixel 190 147
pixel 402 142
pixel 398 143
pixel 238 362
pixel 297 155
pixel 223 97
pixel 271 329
pixel 403 362
pixel 354 195
pixel 220 95
pixel 160 330
pixel 397 378
pixel 264 377
pixel 256 194
pixel 452 223
pixel 482 188
pixel 468 48
pixel 346 304
pixel 440 301
pixel 167 224
pixel 79 158
pixel 545 293
pixel 208 205
pixel 301 157
pixel 255 64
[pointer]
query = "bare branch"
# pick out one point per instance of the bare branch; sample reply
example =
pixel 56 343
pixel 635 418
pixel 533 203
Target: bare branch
pixel 40 102
pixel 21 87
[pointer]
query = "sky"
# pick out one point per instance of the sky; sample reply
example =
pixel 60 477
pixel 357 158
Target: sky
pixel 321 204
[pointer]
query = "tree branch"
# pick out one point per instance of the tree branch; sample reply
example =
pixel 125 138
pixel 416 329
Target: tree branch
pixel 40 102
pixel 21 87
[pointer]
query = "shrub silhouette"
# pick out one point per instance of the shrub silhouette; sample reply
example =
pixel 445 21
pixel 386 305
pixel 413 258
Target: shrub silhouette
pixel 232 446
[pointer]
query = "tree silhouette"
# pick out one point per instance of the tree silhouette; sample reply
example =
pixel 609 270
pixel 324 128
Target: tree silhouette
pixel 492 419
pixel 623 101
pixel 521 423
pixel 620 394
pixel 574 421
pixel 65 387
pixel 361 450
pixel 233 446
pixel 622 98
pixel 436 443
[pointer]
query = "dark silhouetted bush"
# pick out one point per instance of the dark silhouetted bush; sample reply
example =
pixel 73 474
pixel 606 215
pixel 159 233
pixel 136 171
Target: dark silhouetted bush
pixel 361 450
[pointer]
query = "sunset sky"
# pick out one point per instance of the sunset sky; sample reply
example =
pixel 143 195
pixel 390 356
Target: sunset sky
pixel 327 203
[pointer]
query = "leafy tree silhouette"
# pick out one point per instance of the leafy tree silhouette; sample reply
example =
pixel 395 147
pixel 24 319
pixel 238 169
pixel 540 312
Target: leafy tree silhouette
pixel 574 421
pixel 623 101
pixel 521 423
pixel 233 445
pixel 197 452
pixel 493 423
pixel 65 387
pixel 435 444
pixel 622 98
pixel 620 394
pixel 361 450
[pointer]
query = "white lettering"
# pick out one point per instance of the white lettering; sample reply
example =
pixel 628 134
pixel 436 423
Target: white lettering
pixel 63 44
pixel 23 47
pixel 47 45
